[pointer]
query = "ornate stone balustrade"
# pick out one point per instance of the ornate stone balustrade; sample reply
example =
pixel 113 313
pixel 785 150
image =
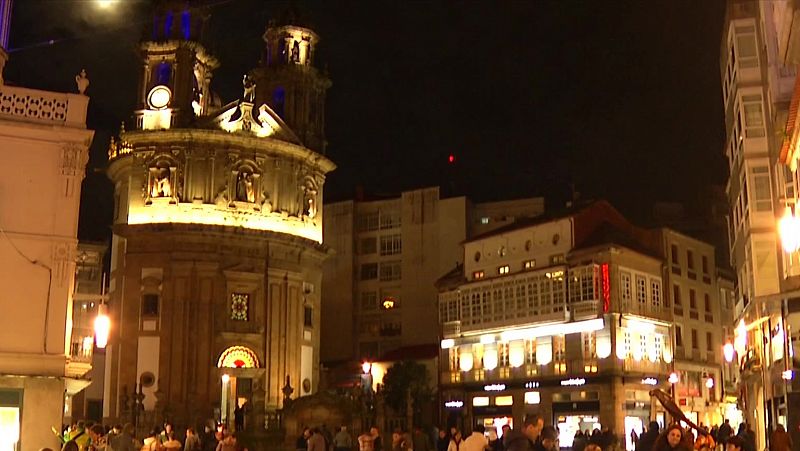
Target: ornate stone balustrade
pixel 33 105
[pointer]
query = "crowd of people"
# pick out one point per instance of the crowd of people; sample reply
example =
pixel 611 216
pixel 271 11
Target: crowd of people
pixel 533 435
pixel 82 436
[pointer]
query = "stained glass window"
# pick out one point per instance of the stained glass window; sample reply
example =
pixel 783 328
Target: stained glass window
pixel 240 304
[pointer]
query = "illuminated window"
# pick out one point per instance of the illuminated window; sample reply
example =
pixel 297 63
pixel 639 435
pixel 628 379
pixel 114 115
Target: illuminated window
pixel 240 306
pixel 532 397
pixel 503 269
pixel 480 401
pixel 478 275
pixel 504 401
pixel 238 357
pixel 485 220
pixel 658 343
pixel 530 264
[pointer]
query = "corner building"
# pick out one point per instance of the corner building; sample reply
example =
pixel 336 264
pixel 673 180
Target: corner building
pixel 217 247
pixel 564 316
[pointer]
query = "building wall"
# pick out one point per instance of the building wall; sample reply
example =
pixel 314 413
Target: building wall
pixel 603 373
pixel 42 161
pixel 396 249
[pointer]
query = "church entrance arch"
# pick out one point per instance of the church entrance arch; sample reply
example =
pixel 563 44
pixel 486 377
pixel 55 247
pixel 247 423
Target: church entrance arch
pixel 238 366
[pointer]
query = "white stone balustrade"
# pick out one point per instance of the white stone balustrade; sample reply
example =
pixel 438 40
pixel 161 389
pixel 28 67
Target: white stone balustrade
pixel 34 105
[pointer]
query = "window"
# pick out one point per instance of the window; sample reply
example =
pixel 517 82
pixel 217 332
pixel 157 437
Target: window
pixel 308 318
pixel 676 295
pixel 674 252
pixel 557 259
pixel 695 344
pixel 690 259
pixel 625 287
pixel 369 300
pixel 530 264
pixel 707 302
pixel 761 191
pixel 709 342
pixel 150 305
pixel 367 222
pixel 678 336
pixel 389 220
pixel 391 244
pixel 641 289
pixel 705 264
pixel 369 245
pixel 485 220
pixel 658 344
pixel 477 275
pixel 369 271
pixel 503 269
pixel 692 299
pixel 390 271
pixel 745 47
pixel 753 116
pixel 583 284
pixel 655 292
pixel 240 306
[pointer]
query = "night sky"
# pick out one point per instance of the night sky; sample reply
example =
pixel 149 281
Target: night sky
pixel 621 100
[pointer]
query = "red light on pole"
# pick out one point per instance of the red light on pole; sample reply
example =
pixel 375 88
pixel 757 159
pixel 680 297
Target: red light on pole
pixel 451 159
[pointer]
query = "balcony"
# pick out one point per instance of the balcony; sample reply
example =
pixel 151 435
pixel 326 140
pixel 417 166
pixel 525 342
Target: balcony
pixel 33 105
pixel 79 361
pixel 585 309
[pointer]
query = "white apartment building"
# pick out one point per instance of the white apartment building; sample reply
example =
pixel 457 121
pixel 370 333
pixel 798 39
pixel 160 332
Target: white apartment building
pixel 758 69
pixel 43 153
pixel 387 256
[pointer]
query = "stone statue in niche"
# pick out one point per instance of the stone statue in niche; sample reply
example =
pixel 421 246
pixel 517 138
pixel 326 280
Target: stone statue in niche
pixel 245 191
pixel 296 52
pixel 249 86
pixel 161 185
pixel 266 203
pixel 309 50
pixel 309 200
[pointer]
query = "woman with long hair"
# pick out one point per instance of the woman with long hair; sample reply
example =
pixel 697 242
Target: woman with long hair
pixel 673 439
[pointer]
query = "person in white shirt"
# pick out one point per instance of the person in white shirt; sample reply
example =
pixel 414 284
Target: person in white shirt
pixel 477 441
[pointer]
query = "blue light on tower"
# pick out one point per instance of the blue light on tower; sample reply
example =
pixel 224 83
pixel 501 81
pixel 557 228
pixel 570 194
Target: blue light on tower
pixel 5 22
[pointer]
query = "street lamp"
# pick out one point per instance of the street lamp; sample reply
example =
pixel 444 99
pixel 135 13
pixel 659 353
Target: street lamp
pixel 102 326
pixel 710 383
pixel 728 352
pixel 366 367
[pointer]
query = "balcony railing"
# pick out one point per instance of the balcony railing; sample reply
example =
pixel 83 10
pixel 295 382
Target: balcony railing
pixel 33 105
pixel 80 353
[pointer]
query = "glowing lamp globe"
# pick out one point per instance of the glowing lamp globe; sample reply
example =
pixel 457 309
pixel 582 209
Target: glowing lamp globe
pixel 673 378
pixel 490 359
pixel 102 327
pixel 710 383
pixel 366 367
pixel 728 352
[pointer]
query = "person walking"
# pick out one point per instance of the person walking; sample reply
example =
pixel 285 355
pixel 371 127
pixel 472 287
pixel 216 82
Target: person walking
pixel 476 441
pixel 342 440
pixel 648 439
pixel 443 441
pixel 366 442
pixel 780 440
pixel 526 439
pixel 579 441
pixel 316 442
pixel 724 433
pixel 456 443
pixel 192 442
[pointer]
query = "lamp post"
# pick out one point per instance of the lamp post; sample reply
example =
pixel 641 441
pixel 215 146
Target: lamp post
pixel 673 379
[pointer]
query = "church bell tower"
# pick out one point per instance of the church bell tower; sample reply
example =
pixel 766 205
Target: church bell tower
pixel 176 68
pixel 289 83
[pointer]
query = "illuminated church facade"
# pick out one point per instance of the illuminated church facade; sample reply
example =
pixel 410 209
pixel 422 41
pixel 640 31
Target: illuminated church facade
pixel 217 242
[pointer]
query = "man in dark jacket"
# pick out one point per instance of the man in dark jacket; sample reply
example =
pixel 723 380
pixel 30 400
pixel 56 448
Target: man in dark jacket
pixel 725 432
pixel 648 439
pixel 526 438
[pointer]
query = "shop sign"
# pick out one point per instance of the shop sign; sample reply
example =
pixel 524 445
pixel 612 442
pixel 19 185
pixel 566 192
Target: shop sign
pixel 494 387
pixel 650 381
pixel 573 382
pixel 454 404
